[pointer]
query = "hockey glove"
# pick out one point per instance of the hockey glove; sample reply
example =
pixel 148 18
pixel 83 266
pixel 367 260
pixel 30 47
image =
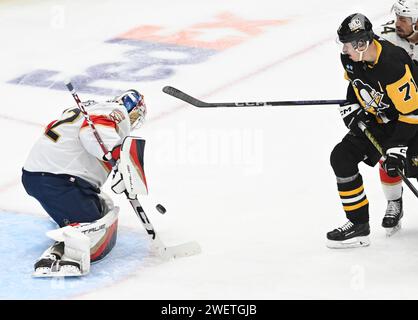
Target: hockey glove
pixel 395 160
pixel 352 114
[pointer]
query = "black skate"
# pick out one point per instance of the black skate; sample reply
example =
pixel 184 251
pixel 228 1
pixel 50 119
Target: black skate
pixel 349 236
pixel 392 219
pixel 52 266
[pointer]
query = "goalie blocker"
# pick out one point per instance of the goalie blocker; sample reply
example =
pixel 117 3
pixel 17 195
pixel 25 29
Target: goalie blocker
pixel 129 176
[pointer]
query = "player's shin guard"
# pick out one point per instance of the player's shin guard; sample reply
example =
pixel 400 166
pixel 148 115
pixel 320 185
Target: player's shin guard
pixel 353 198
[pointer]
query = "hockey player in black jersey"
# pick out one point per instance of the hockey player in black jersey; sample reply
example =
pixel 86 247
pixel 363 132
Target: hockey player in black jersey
pixel 383 95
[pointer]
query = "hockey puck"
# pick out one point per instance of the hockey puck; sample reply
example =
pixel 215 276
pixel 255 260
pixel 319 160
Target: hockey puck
pixel 160 209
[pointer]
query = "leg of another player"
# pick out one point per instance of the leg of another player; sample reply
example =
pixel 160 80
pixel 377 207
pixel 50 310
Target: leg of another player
pixel 392 189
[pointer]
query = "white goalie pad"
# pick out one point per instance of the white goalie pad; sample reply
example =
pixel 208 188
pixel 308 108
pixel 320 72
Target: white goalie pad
pixel 77 248
pixel 131 165
pixel 81 239
pixel 86 228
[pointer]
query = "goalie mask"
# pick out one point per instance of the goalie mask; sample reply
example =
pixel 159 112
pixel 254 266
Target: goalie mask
pixel 134 103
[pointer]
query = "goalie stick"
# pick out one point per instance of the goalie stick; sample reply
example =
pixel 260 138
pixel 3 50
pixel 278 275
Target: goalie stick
pixel 201 104
pixel 165 252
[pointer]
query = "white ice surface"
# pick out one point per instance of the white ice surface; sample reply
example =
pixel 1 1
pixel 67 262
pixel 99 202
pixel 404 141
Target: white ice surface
pixel 253 186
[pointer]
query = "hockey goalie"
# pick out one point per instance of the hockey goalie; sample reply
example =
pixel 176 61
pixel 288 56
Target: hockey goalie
pixel 65 171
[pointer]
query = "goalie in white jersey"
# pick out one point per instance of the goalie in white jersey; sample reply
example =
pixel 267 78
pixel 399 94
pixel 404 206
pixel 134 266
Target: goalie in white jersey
pixel 65 171
pixel 402 32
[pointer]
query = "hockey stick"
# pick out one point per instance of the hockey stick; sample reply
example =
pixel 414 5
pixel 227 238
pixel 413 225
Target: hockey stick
pixel 201 104
pixel 379 148
pixel 182 250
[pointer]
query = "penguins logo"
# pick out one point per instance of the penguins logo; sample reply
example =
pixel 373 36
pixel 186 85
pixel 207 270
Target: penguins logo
pixel 370 96
pixel 355 25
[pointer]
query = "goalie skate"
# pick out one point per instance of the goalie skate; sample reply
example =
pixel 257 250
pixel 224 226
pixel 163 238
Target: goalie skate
pixel 51 266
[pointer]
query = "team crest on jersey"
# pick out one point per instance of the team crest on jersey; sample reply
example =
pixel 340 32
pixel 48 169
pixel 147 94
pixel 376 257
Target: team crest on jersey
pixel 370 96
pixel 117 116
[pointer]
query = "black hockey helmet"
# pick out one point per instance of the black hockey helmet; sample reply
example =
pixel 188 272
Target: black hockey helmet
pixel 356 27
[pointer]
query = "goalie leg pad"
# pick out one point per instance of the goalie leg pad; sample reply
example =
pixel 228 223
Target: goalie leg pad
pixel 68 258
pixel 77 249
pixel 103 241
pixel 83 243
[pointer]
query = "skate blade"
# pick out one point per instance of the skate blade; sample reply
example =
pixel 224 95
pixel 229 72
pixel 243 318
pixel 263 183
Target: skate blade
pixel 63 272
pixel 391 231
pixel 349 243
pixel 56 275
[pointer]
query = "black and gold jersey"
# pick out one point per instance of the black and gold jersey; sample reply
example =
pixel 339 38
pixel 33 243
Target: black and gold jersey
pixel 386 88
